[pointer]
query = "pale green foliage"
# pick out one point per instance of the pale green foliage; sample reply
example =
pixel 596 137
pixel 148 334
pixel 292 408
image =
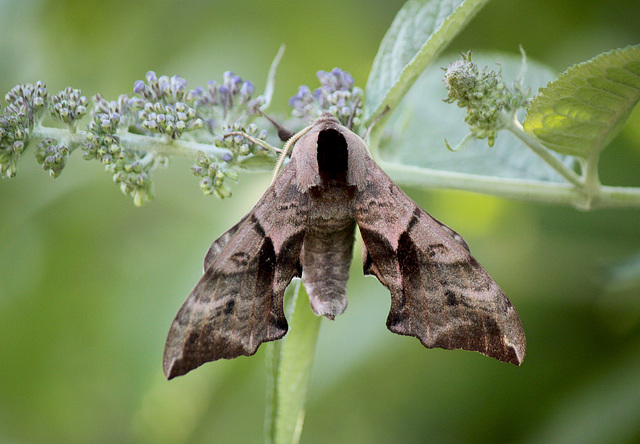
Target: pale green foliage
pixel 420 31
pixel 581 111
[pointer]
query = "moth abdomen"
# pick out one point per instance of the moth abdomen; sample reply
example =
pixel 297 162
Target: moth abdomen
pixel 326 258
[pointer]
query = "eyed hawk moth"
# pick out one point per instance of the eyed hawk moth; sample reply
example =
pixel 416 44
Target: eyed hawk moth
pixel 304 226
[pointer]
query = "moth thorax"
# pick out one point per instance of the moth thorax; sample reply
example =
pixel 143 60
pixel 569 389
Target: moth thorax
pixel 333 156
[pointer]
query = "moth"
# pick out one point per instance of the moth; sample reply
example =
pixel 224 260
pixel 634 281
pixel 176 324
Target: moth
pixel 304 226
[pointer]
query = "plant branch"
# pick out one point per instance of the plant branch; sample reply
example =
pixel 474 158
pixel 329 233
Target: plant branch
pixel 290 364
pixel 531 190
pixel 512 125
pixel 155 144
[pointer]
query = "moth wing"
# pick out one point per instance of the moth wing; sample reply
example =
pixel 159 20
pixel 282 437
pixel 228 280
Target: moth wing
pixel 439 292
pixel 222 241
pixel 238 302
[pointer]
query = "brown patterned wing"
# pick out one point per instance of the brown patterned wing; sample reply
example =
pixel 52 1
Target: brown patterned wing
pixel 222 241
pixel 439 292
pixel 238 302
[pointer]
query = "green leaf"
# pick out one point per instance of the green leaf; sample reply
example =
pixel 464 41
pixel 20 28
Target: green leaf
pixel 419 32
pixel 291 362
pixel 581 111
pixel 423 121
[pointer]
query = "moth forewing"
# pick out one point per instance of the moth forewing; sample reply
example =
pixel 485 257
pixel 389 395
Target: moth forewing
pixel 238 302
pixel 440 293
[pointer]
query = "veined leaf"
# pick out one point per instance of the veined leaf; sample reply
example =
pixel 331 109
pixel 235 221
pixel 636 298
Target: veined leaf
pixel 581 111
pixel 419 32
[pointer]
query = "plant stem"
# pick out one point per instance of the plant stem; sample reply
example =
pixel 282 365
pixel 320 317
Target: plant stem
pixel 291 361
pixel 136 141
pixel 592 184
pixel 530 190
pixel 512 125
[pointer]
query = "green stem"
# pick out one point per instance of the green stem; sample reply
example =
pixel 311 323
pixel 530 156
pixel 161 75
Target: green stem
pixel 291 360
pixel 530 190
pixel 512 125
pixel 592 184
pixel 136 141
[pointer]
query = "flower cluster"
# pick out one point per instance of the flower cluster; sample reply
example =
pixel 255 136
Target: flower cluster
pixel 26 99
pixel 24 103
pixel 68 106
pixel 107 117
pixel 52 155
pixel 130 168
pixel 484 94
pixel 132 172
pixel 238 144
pixel 228 108
pixel 337 95
pixel 226 103
pixel 14 133
pixel 214 175
pixel 164 107
pixel 160 111
pixel 244 153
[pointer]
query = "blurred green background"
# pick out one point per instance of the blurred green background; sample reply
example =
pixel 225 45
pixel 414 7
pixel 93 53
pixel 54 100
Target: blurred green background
pixel 89 284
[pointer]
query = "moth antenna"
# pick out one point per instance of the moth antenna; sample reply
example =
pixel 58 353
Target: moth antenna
pixel 353 113
pixel 283 133
pixel 285 150
pixel 376 120
pixel 252 139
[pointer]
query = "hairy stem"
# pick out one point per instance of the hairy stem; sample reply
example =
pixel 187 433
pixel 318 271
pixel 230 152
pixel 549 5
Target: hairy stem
pixel 512 125
pixel 530 190
pixel 290 365
pixel 139 142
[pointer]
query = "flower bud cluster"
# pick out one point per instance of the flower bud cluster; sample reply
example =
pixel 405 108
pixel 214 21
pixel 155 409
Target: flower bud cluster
pixel 52 156
pixel 226 103
pixel 107 117
pixel 164 106
pixel 27 99
pixel 14 133
pixel 130 168
pixel 172 119
pixel 158 106
pixel 102 142
pixel 228 107
pixel 133 173
pixel 484 94
pixel 214 175
pixel 337 95
pixel 24 105
pixel 68 106
pixel 242 151
pixel 238 144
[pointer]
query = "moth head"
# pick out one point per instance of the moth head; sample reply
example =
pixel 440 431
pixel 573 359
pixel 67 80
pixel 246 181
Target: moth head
pixel 330 154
